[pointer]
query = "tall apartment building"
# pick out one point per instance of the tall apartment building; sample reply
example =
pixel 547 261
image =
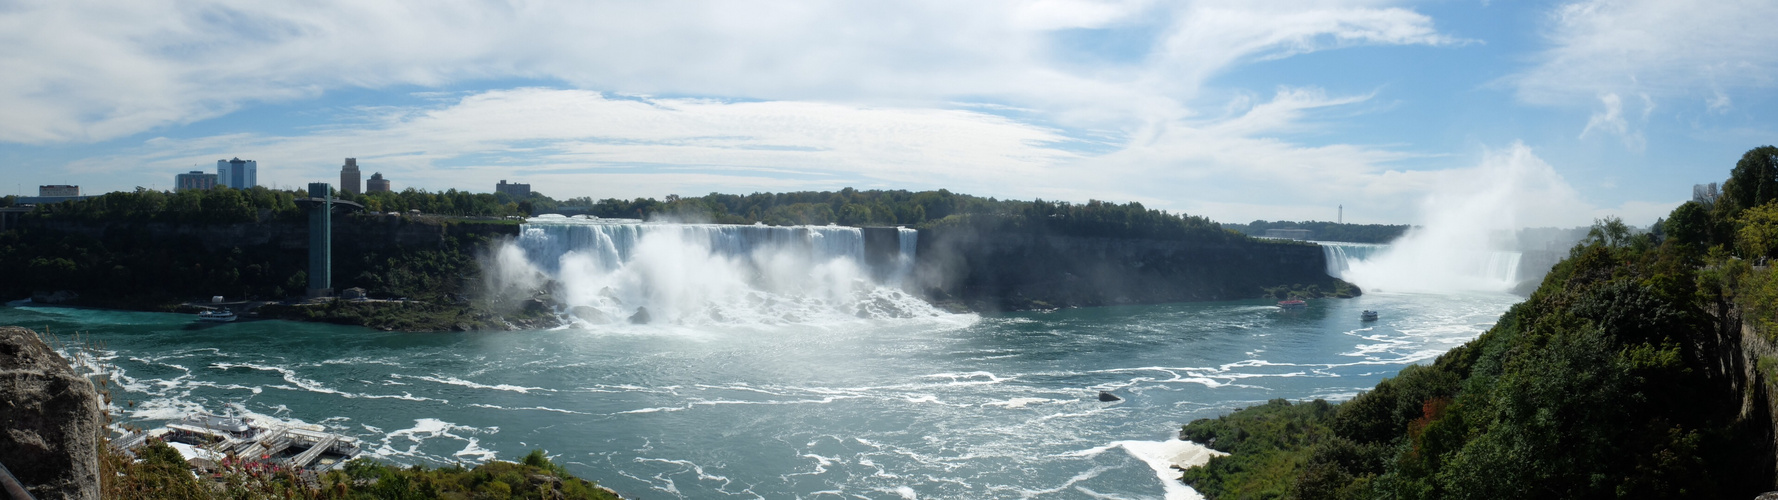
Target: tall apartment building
pixel 376 184
pixel 237 173
pixel 517 191
pixel 194 180
pixel 349 177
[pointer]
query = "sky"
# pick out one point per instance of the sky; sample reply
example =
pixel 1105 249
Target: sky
pixel 1236 111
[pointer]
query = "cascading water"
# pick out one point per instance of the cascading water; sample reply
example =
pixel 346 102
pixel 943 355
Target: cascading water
pixel 1418 267
pixel 1340 256
pixel 611 270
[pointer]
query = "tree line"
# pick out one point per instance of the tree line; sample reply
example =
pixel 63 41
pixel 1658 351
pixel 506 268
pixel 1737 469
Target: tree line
pixel 1328 231
pixel 846 207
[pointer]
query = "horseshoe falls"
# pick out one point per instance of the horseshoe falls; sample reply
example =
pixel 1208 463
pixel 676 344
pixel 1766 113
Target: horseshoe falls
pixel 1419 268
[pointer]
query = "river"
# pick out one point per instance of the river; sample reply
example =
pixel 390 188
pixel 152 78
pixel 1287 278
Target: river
pixel 936 406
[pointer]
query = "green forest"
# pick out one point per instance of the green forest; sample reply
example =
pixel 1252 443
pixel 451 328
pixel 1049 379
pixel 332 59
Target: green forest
pixel 1624 375
pixel 846 207
pixel 1328 231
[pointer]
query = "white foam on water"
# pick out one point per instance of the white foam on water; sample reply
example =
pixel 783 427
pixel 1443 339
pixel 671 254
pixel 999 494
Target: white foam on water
pixel 465 383
pixel 1018 402
pixel 427 429
pixel 1164 457
pixel 535 408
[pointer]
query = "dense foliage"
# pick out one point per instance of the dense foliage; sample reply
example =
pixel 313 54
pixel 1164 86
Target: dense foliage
pixel 213 206
pixel 1328 231
pixel 138 266
pixel 851 207
pixel 1613 380
pixel 161 473
pixel 447 202
pixel 260 204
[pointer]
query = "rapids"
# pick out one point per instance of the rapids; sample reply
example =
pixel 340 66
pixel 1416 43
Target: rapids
pixel 937 405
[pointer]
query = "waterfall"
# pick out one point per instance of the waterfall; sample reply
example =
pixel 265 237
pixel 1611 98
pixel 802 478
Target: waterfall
pixel 611 243
pixel 904 262
pixel 1422 268
pixel 1340 256
pixel 607 270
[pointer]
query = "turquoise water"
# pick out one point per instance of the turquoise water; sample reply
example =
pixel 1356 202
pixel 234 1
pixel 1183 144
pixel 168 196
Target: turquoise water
pixel 958 406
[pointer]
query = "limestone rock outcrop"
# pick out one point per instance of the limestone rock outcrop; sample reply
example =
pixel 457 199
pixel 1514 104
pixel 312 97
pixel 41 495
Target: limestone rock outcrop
pixel 51 425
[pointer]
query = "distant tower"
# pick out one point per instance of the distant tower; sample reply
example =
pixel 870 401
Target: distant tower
pixel 1342 214
pixel 376 184
pixel 237 173
pixel 349 177
pixel 320 241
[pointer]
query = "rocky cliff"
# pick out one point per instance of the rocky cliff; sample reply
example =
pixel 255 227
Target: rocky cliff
pixel 51 420
pixel 1015 270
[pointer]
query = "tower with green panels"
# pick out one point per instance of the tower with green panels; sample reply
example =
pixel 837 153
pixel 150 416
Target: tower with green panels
pixel 320 240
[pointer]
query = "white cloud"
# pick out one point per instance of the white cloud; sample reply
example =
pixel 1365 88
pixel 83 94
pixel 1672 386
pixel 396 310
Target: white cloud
pixel 583 143
pixel 1654 49
pixel 85 70
pixel 1610 119
pixel 579 142
pixel 1662 48
pixel 809 95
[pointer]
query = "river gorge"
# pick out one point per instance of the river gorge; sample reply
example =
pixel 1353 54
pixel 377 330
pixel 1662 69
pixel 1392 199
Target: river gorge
pixel 817 381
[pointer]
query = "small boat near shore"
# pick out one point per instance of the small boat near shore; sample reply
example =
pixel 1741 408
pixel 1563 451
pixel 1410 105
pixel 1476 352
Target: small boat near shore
pixel 216 315
pixel 1292 304
pixel 1367 315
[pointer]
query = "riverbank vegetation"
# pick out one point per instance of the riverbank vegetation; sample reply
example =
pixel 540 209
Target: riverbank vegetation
pixel 1625 375
pixel 161 473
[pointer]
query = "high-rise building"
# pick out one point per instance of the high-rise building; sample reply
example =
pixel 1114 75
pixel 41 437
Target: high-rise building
pixel 194 180
pixel 1705 194
pixel 237 173
pixel 376 184
pixel 349 177
pixel 58 190
pixel 53 193
pixel 517 191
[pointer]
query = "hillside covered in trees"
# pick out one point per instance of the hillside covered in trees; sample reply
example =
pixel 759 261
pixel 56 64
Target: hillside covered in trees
pixel 1328 231
pixel 1643 367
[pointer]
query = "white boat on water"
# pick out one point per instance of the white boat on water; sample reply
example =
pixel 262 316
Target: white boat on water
pixel 1367 315
pixel 216 315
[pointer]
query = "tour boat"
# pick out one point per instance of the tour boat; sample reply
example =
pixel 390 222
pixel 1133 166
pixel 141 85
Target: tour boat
pixel 223 315
pixel 1368 315
pixel 1292 304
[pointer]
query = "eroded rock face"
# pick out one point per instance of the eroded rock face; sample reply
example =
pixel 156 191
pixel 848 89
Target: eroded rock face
pixel 50 421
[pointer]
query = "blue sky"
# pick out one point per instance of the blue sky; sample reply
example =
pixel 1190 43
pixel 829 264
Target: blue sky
pixel 1234 110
